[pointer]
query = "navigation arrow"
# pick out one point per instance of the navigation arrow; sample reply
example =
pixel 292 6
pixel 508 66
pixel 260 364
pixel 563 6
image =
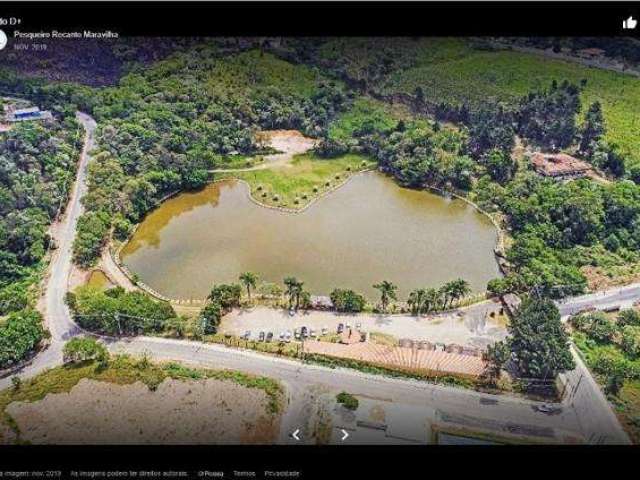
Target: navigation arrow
pixel 295 434
pixel 345 434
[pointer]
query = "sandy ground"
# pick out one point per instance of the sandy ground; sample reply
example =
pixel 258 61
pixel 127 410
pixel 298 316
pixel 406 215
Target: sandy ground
pixel 178 412
pixel 473 328
pixel 288 142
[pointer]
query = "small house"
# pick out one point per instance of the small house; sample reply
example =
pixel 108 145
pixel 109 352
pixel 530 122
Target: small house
pixel 559 166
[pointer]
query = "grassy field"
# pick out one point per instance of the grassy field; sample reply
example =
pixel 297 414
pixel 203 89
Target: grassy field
pixel 296 184
pixel 627 402
pixel 450 70
pixel 124 370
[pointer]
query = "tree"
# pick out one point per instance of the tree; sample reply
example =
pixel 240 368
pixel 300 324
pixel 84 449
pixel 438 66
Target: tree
pixel 84 349
pixel 294 290
pixel 459 288
pixel 347 300
pixel 496 356
pixel 20 333
pixel 539 343
pixel 500 165
pixel 615 370
pixel 226 295
pixel 416 301
pixel 593 129
pixel 387 292
pixel 210 317
pixel 249 280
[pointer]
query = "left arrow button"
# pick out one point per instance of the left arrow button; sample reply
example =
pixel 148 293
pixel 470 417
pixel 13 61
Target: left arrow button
pixel 296 434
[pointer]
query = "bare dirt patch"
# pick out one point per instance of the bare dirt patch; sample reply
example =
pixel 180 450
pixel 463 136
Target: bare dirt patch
pixel 178 412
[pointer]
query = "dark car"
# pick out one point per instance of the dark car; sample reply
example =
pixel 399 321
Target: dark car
pixel 340 327
pixel 269 336
pixel 304 332
pixel 261 336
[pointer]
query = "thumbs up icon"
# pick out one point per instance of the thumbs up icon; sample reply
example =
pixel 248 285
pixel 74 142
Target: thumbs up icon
pixel 630 23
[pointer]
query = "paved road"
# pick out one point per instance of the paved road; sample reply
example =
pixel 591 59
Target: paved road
pixel 623 297
pixel 585 411
pixel 56 313
pixel 503 410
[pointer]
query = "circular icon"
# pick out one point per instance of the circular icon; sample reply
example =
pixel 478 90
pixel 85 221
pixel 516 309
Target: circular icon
pixel 3 40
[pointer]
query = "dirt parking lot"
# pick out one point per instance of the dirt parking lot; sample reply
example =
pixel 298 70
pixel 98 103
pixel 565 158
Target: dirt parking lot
pixel 473 328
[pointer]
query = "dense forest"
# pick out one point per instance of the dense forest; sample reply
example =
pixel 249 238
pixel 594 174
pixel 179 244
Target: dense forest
pixel 37 168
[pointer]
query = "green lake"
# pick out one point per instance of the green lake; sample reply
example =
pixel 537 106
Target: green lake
pixel 367 231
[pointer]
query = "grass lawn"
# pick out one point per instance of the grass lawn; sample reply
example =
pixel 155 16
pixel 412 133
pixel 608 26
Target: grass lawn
pixel 123 370
pixel 449 70
pixel 296 184
pixel 627 402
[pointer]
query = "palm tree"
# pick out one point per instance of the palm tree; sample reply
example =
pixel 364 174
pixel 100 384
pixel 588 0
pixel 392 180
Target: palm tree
pixel 387 292
pixel 460 288
pixel 294 290
pixel 432 299
pixel 417 301
pixel 249 280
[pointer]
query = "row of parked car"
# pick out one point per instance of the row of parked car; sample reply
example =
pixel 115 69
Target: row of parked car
pixel 298 333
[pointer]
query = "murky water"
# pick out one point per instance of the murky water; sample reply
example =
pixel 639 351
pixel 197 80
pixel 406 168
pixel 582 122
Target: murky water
pixel 367 231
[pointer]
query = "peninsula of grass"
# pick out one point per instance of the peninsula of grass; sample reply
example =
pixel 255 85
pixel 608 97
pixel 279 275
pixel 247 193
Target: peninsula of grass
pixel 307 177
pixel 125 370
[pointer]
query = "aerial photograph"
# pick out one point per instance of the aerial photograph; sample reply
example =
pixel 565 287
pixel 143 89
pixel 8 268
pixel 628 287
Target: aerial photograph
pixel 319 240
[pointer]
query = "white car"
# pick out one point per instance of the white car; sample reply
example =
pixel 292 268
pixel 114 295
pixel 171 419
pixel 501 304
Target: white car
pixel 287 336
pixel 312 333
pixel 325 330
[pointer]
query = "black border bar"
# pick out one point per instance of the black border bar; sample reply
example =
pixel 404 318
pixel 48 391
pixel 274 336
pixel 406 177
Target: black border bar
pixel 328 18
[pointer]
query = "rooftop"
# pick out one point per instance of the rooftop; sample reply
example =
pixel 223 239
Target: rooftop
pixel 558 164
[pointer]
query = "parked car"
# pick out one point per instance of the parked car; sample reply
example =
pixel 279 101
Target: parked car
pixel 292 312
pixel 287 336
pixel 325 330
pixel 304 332
pixel 247 334
pixel 548 408
pixel 296 334
pixel 269 336
pixel 282 334
pixel 358 326
pixel 312 333
pixel 340 328
pixel 348 325
pixel 261 336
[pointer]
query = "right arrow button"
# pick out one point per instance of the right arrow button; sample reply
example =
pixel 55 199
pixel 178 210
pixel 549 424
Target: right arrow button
pixel 345 434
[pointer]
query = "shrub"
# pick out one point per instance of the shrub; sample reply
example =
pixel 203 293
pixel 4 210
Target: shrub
pixel 629 317
pixel 84 349
pixel 631 341
pixel 602 329
pixel 347 400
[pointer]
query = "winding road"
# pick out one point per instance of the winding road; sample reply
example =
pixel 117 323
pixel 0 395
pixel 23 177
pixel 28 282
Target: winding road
pixel 584 414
